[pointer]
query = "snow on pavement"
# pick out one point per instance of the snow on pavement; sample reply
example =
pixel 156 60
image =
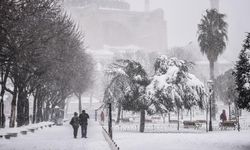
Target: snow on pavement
pixel 58 138
pixel 218 140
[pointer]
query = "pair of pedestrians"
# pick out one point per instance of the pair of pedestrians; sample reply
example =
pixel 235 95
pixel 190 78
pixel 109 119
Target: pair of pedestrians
pixel 82 120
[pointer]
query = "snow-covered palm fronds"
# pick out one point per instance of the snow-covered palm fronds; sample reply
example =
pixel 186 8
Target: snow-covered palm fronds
pixel 173 86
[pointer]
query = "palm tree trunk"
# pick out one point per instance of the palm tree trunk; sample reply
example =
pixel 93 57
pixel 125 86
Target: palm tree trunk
pixel 211 67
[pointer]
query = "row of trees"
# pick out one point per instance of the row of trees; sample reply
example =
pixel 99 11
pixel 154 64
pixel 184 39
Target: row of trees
pixel 41 56
pixel 171 88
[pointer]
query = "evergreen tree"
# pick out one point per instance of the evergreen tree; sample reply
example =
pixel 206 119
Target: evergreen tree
pixel 242 76
pixel 127 87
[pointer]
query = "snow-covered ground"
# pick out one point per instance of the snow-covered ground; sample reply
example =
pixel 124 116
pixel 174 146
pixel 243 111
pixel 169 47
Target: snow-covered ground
pixel 58 138
pixel 218 140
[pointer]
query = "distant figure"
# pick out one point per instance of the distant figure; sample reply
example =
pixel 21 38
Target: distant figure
pixel 223 116
pixel 83 117
pixel 102 116
pixel 95 115
pixel 75 124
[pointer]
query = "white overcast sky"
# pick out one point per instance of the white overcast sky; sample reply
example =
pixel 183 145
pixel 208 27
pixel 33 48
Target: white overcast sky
pixel 183 16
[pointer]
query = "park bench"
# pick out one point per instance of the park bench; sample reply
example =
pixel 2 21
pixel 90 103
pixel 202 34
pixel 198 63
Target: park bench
pixel 201 121
pixel 9 135
pixel 31 130
pixel 228 124
pixel 155 117
pixel 24 132
pixel 173 121
pixel 148 121
pixel 192 124
pixel 125 119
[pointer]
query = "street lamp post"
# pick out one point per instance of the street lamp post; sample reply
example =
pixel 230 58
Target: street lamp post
pixel 210 87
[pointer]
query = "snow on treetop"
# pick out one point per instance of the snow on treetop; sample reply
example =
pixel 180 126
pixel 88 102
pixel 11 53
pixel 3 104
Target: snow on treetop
pixel 193 81
pixel 115 70
pixel 172 86
pixel 163 64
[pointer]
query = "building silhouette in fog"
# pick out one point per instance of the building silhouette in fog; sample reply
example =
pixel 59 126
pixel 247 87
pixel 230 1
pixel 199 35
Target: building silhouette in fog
pixel 111 22
pixel 214 4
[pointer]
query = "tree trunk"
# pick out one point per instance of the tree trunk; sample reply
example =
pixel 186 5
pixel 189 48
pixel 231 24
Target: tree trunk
pixel 4 78
pixel 46 112
pixel 13 109
pixel 142 120
pixel 121 113
pixel 207 109
pixel 178 114
pixel 80 103
pixel 164 118
pixel 22 108
pixel 34 108
pixel 2 116
pixel 211 66
pixel 229 111
pixel 118 114
pixel 39 115
pixel 191 114
pixel 66 109
pixel 26 110
pixel 182 110
pixel 169 118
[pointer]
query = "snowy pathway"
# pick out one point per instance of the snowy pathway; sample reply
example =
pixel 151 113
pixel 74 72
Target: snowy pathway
pixel 58 138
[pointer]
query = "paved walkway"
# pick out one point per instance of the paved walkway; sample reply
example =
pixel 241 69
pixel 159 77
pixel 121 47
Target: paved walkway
pixel 58 138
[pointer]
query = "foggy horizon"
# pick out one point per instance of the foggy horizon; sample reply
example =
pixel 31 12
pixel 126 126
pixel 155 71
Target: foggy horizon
pixel 189 13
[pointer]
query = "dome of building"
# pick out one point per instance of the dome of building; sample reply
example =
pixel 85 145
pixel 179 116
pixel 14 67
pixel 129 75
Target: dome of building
pixel 112 4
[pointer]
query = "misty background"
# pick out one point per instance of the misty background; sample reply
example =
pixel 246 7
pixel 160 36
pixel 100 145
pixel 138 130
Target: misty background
pixel 182 17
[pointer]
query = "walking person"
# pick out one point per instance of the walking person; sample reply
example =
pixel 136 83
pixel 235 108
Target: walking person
pixel 102 116
pixel 75 124
pixel 83 117
pixel 223 116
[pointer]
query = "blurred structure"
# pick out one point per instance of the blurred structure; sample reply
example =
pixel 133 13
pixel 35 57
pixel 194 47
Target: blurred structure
pixel 214 4
pixel 111 22
pixel 147 6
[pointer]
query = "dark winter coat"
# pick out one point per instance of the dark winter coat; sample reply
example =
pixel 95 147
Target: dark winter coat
pixel 83 117
pixel 223 117
pixel 75 121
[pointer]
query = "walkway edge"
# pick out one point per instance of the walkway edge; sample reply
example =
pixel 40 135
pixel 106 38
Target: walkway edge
pixel 111 143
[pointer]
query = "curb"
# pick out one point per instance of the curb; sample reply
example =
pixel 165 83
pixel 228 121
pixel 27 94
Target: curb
pixel 111 142
pixel 10 135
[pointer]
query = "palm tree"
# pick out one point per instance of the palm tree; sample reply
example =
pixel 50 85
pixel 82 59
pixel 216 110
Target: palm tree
pixel 212 36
